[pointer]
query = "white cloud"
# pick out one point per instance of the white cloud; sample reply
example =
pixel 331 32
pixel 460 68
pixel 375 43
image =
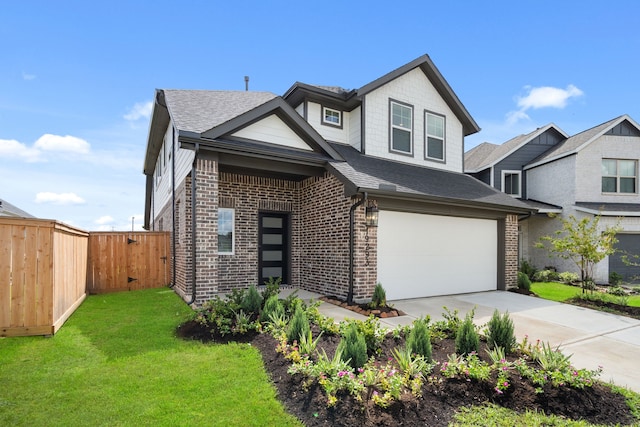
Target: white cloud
pixel 27 76
pixel 106 219
pixel 59 198
pixel 15 149
pixel 140 110
pixel 67 143
pixel 546 96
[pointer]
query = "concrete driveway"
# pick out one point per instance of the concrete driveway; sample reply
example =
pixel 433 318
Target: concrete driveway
pixel 592 337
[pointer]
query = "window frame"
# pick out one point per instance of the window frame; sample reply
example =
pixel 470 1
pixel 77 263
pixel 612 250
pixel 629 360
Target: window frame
pixel 392 127
pixel 503 180
pixel 618 177
pixel 428 113
pixel 233 231
pixel 323 117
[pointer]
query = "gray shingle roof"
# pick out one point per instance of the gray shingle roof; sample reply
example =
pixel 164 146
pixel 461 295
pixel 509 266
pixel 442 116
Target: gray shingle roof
pixel 200 110
pixel 573 144
pixel 371 174
pixel 489 156
pixel 7 209
pixel 605 208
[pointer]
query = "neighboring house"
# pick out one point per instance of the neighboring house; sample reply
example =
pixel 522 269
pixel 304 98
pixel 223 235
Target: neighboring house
pixel 594 172
pixel 7 209
pixel 253 185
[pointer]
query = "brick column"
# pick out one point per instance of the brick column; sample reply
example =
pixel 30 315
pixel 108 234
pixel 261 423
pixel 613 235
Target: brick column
pixel 511 250
pixel 366 257
pixel 206 217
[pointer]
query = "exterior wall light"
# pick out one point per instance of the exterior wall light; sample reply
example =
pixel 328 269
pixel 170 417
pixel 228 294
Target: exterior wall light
pixel 371 216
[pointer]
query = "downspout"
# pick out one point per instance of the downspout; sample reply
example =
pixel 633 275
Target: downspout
pixel 352 244
pixel 173 210
pixel 193 224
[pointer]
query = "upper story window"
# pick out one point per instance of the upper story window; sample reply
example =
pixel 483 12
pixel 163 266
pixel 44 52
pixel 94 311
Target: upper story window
pixel 401 128
pixel 434 136
pixel 511 183
pixel 619 176
pixel 331 117
pixel 226 235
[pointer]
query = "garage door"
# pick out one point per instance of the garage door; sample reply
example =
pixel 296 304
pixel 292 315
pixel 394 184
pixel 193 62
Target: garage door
pixel 426 255
pixel 627 244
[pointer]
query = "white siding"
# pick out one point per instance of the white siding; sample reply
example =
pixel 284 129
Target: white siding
pixel 413 88
pixel 554 182
pixel 427 255
pixel 162 184
pixel 300 109
pixel 330 133
pixel 589 163
pixel 273 130
pixel 355 131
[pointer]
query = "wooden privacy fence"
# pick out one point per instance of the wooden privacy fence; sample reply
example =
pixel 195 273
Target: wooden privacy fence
pixel 42 275
pixel 128 261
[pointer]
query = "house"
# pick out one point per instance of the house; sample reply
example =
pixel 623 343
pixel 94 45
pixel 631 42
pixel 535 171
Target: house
pixel 7 209
pixel 332 190
pixel 594 172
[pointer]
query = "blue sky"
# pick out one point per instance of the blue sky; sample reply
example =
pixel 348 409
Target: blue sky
pixel 77 77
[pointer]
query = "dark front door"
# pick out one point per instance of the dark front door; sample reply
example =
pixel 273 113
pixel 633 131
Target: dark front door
pixel 273 247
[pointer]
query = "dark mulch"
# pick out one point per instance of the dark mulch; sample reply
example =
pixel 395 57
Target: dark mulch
pixel 439 401
pixel 610 307
pixel 364 309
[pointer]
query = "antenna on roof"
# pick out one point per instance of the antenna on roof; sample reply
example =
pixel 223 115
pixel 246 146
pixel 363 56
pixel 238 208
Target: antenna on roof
pixel 246 83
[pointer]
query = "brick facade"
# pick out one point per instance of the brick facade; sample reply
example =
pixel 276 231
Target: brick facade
pixel 511 250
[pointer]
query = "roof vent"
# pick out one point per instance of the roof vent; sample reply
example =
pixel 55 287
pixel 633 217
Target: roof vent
pixel 246 83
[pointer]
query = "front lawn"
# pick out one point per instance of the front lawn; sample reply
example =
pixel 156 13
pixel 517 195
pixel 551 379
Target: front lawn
pixel 560 292
pixel 117 362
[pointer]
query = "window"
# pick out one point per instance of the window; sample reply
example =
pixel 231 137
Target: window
pixel 619 176
pixel 401 127
pixel 226 235
pixel 434 136
pixel 331 117
pixel 511 183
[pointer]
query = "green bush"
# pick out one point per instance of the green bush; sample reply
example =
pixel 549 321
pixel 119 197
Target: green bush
pixel 500 332
pixel 353 347
pixel 379 298
pixel 272 287
pixel 298 326
pixel 617 291
pixel 271 305
pixel 252 301
pixel 568 277
pixel 615 279
pixel 523 281
pixel 545 276
pixel 527 268
pixel 419 340
pixel 467 339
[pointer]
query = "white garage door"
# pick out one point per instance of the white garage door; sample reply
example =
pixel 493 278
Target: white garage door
pixel 427 255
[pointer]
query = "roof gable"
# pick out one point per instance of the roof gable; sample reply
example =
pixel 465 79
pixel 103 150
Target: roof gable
pixel 473 162
pixel 272 129
pixel 581 140
pixel 439 83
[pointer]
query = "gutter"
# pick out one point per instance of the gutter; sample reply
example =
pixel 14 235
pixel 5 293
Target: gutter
pixel 352 244
pixel 193 224
pixel 173 210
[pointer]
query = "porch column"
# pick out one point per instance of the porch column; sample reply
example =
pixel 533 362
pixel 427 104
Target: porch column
pixel 206 217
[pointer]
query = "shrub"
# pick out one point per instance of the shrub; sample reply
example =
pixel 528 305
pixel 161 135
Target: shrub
pixel 547 275
pixel 467 340
pixel 523 281
pixel 568 277
pixel 272 287
pixel 298 326
pixel 617 291
pixel 271 305
pixel 501 332
pixel 353 347
pixel 419 340
pixel 528 269
pixel 252 301
pixel 615 279
pixel 371 330
pixel 379 298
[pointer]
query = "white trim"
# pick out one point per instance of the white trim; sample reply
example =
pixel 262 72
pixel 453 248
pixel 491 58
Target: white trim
pixel 427 135
pixel 233 230
pixel 402 128
pixel 513 172
pixel 332 110
pixel 606 213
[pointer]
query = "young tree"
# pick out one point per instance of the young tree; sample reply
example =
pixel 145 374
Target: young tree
pixel 582 242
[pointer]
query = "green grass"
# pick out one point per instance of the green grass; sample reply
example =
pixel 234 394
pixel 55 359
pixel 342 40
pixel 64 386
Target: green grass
pixel 491 415
pixel 117 362
pixel 560 292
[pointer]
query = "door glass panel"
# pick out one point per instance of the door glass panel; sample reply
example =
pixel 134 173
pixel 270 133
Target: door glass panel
pixel 272 255
pixel 271 272
pixel 272 239
pixel 271 222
